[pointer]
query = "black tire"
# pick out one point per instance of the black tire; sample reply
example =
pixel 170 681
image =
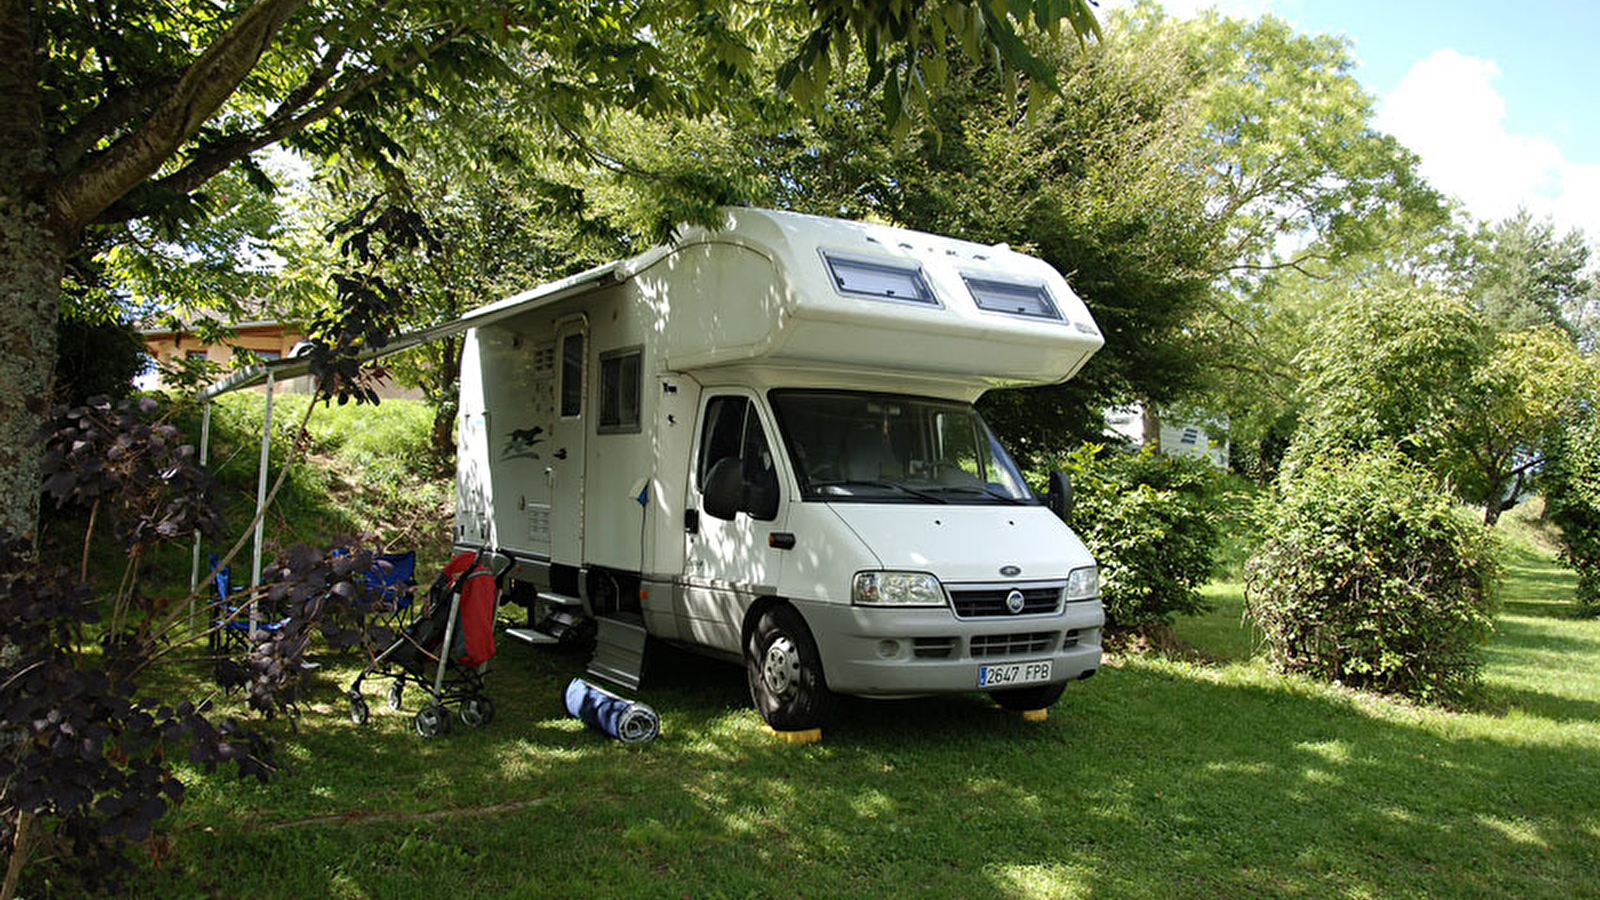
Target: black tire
pixel 477 711
pixel 785 671
pixel 432 721
pixel 396 694
pixel 1040 696
pixel 359 713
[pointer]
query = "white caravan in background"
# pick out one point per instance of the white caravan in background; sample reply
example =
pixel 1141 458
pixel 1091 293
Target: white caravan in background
pixel 759 443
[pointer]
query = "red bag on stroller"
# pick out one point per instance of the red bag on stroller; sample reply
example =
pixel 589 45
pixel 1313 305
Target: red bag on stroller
pixel 475 644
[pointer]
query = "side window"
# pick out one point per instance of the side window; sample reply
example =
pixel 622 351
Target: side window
pixel 733 430
pixel 723 433
pixel 619 390
pixel 572 376
pixel 760 475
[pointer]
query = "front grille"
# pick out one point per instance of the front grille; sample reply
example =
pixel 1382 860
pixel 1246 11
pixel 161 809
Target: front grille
pixel 986 646
pixel 990 600
pixel 933 647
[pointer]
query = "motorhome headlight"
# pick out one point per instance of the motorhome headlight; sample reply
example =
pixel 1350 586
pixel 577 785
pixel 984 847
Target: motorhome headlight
pixel 1083 583
pixel 897 589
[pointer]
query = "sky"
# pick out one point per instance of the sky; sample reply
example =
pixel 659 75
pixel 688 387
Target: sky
pixel 1500 101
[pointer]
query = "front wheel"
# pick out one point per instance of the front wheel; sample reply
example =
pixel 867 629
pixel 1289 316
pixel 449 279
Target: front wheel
pixel 1028 698
pixel 785 671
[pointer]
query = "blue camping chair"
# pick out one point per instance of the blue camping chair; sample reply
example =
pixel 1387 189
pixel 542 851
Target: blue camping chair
pixel 389 587
pixel 234 634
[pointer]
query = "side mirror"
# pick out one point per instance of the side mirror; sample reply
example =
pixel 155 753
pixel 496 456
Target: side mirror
pixel 723 492
pixel 1059 496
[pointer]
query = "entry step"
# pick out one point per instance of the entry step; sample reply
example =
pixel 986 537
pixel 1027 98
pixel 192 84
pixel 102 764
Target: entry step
pixel 619 650
pixel 559 599
pixel 532 637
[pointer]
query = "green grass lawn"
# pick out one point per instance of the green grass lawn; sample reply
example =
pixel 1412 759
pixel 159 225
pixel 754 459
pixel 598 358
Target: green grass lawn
pixel 1157 778
pixel 1154 779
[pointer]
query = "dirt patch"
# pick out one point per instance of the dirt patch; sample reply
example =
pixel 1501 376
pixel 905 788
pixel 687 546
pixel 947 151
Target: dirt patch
pixel 365 816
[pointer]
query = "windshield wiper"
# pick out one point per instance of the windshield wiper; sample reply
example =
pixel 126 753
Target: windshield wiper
pixel 984 491
pixel 849 482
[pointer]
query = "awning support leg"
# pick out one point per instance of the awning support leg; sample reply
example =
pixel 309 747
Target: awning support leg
pixel 194 563
pixel 261 502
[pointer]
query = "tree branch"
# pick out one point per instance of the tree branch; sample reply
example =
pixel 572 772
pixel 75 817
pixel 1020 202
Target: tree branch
pixel 289 118
pixel 1297 264
pixel 208 82
pixel 115 110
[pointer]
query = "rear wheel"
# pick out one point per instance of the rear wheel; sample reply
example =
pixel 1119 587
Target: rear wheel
pixel 432 721
pixel 477 711
pixel 1036 697
pixel 785 671
pixel 396 694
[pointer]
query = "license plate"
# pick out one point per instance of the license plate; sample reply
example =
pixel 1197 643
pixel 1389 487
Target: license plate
pixel 1013 674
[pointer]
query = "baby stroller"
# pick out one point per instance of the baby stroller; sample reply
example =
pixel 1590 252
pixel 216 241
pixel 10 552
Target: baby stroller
pixel 454 636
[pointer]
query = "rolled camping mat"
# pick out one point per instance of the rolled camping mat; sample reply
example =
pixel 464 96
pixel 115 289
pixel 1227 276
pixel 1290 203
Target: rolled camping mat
pixel 605 712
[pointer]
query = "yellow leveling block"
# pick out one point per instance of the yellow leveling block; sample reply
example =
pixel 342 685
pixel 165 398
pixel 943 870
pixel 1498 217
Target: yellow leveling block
pixel 809 736
pixel 1028 715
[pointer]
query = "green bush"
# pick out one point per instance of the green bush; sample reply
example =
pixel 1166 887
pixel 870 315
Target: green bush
pixel 1370 576
pixel 1571 482
pixel 1151 524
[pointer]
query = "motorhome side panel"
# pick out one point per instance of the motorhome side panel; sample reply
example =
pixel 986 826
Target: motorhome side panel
pixel 716 303
pixel 473 497
pixel 507 412
pixel 623 398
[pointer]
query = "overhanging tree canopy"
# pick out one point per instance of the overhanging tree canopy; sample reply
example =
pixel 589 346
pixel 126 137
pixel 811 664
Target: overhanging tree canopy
pixel 115 111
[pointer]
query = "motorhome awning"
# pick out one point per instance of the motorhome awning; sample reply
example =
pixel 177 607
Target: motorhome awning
pixel 270 372
pixel 591 279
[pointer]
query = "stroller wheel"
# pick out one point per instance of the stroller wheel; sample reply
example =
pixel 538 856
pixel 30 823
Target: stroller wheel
pixel 358 711
pixel 396 694
pixel 478 710
pixel 432 721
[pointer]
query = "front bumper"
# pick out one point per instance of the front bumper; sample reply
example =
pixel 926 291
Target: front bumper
pixel 889 652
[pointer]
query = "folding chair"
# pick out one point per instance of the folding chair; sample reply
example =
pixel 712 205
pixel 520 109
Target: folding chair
pixel 389 587
pixel 230 633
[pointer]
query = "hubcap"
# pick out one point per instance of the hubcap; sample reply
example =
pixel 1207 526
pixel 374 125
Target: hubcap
pixel 781 668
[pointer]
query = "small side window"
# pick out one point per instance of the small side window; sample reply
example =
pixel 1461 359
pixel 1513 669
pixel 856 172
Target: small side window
pixel 620 378
pixel 572 376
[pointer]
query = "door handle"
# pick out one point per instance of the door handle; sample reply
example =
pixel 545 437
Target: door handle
pixel 560 454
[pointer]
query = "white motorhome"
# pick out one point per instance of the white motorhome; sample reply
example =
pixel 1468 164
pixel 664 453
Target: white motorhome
pixel 759 442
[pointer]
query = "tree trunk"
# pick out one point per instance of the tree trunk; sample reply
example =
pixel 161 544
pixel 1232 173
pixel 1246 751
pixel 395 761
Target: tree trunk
pixel 1151 425
pixel 32 254
pixel 445 399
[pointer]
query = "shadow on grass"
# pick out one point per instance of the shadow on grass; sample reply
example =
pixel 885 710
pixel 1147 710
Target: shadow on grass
pixel 1550 706
pixel 1151 780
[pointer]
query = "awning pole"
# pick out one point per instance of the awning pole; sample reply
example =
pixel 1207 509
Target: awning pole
pixel 194 564
pixel 261 503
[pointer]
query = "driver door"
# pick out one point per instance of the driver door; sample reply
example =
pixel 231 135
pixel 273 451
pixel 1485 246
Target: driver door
pixel 728 562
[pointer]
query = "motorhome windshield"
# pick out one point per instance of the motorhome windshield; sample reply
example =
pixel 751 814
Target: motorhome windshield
pixel 887 448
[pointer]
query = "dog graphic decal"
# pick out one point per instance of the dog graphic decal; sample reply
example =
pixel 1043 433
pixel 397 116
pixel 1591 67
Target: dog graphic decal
pixel 520 443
